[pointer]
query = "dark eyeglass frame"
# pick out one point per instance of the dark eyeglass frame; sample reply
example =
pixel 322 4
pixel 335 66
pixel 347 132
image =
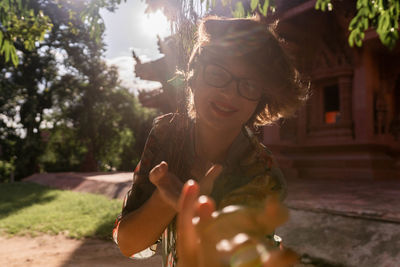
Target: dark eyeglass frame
pixel 232 78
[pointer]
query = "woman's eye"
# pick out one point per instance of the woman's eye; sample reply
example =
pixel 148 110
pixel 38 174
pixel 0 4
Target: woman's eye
pixel 216 75
pixel 216 72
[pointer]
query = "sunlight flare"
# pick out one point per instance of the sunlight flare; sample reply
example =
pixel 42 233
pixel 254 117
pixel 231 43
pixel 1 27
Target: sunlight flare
pixel 156 24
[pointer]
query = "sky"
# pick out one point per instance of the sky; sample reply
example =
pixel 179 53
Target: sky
pixel 130 28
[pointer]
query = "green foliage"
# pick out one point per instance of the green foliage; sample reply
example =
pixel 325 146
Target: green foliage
pixel 6 170
pixel 94 123
pixel 383 15
pixel 264 8
pixel 24 23
pixel 323 5
pixel 64 150
pixel 27 208
pixel 239 10
pixel 20 22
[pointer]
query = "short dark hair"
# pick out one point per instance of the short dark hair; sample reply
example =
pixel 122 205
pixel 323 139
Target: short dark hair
pixel 253 42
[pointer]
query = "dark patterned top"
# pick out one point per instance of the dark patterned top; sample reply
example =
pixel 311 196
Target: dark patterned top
pixel 249 173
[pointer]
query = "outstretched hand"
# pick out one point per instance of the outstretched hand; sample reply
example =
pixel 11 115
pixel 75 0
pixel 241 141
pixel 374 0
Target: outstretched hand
pixel 170 186
pixel 217 239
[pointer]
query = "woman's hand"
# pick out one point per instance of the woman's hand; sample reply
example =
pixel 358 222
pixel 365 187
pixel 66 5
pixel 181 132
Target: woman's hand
pixel 170 186
pixel 190 251
pixel 235 235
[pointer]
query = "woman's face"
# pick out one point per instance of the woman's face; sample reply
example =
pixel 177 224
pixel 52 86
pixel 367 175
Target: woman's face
pixel 224 107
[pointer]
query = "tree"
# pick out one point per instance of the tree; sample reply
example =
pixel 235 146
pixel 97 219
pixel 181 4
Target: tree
pixel 110 136
pixel 62 107
pixel 383 15
pixel 24 23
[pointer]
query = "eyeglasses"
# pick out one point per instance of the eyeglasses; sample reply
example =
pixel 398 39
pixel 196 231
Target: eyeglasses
pixel 217 76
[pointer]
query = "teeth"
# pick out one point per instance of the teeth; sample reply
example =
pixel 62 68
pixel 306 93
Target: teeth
pixel 223 108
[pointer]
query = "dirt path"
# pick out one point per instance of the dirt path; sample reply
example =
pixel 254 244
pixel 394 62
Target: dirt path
pixel 60 251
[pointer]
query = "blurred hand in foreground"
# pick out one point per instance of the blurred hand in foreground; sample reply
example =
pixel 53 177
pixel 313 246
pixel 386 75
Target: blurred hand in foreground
pixel 234 236
pixel 170 186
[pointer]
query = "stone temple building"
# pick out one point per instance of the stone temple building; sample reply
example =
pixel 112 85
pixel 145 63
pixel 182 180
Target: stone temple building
pixel 350 127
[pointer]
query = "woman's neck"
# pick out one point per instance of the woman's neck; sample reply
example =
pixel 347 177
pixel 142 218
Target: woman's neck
pixel 213 144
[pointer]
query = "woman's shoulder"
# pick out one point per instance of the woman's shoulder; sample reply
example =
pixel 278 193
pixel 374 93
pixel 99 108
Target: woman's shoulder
pixel 169 122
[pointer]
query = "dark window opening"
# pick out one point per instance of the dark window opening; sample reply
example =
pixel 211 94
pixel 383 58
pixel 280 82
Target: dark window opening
pixel 395 125
pixel 331 104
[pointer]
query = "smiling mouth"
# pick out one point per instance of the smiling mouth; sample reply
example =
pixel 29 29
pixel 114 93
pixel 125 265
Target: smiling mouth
pixel 222 109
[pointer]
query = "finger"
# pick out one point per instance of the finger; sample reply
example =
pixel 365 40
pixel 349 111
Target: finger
pixel 187 208
pixel 187 241
pixel 167 183
pixel 275 213
pixel 188 198
pixel 282 258
pixel 204 210
pixel 207 182
pixel 158 172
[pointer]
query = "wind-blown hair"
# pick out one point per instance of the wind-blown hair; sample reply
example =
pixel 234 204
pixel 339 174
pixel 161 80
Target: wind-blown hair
pixel 255 43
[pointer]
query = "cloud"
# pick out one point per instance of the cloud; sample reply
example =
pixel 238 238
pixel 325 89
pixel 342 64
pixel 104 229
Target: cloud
pixel 124 29
pixel 120 41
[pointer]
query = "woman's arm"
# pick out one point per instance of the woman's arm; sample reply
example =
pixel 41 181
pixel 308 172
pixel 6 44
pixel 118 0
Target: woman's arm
pixel 142 227
pixel 144 215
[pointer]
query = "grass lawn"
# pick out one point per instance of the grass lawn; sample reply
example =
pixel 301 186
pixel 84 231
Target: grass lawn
pixel 28 208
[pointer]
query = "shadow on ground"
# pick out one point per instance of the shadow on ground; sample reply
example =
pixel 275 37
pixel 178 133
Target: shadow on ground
pixel 106 254
pixel 14 197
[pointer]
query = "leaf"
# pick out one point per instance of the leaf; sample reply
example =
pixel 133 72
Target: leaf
pixel 6 49
pixel 353 23
pixel 264 8
pixel 318 4
pixel 239 10
pixel 351 39
pixel 362 35
pixel 323 6
pixel 385 22
pixel 254 4
pixel 360 4
pixel 358 42
pixel 14 56
pixel 6 6
pixel 365 24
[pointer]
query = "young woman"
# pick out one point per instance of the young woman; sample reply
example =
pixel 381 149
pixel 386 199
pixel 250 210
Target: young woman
pixel 238 77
